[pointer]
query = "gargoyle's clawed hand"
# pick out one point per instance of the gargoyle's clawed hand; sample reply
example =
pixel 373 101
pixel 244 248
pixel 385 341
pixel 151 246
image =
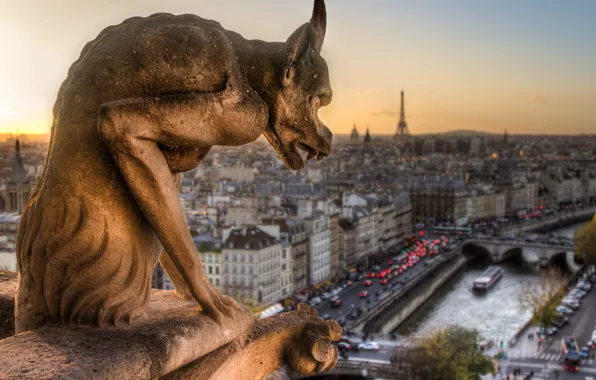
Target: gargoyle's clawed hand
pixel 216 304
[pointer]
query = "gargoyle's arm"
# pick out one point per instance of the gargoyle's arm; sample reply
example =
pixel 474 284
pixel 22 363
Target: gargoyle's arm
pixel 132 129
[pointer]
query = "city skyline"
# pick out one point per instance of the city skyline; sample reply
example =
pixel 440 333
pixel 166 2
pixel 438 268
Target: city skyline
pixel 527 68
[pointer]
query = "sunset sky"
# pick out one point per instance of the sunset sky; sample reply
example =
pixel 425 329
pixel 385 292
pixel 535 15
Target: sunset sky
pixel 526 66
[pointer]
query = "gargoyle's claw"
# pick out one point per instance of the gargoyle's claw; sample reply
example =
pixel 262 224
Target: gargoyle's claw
pixel 335 330
pixel 307 309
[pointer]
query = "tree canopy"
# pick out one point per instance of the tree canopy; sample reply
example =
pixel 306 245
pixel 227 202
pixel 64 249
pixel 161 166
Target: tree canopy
pixel 585 243
pixel 542 298
pixel 451 353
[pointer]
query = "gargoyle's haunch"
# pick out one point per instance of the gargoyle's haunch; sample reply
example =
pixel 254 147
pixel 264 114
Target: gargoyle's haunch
pixel 145 101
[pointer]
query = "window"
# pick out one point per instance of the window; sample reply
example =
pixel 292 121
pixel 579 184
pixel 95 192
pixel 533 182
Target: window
pixel 210 269
pixel 216 270
pixel 217 282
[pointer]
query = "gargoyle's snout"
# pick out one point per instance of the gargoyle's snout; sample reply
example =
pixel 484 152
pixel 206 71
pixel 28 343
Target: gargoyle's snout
pixel 324 142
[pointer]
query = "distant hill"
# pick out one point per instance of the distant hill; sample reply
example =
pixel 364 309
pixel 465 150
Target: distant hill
pixel 33 138
pixel 460 133
pixel 455 133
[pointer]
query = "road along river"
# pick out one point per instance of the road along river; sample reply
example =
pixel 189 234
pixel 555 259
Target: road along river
pixel 496 315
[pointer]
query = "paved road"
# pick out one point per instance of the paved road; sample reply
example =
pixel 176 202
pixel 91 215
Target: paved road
pixel 384 354
pixel 350 295
pixel 581 324
pixel 545 370
pixel 548 359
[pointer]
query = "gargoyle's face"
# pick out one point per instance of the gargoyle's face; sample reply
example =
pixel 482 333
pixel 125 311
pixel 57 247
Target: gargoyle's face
pixel 294 125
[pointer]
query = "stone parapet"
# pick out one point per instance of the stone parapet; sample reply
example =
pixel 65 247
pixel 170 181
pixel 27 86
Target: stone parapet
pixel 173 340
pixel 8 288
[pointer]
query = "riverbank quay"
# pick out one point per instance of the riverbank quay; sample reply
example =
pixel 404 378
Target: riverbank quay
pixel 409 297
pixel 522 346
pixel 550 223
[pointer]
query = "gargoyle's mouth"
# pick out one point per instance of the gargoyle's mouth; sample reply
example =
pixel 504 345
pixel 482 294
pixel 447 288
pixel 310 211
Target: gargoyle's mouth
pixel 295 152
pixel 309 152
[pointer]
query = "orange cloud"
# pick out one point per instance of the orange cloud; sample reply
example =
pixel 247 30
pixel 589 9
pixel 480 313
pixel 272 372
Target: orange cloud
pixel 385 112
pixel 537 98
pixel 370 91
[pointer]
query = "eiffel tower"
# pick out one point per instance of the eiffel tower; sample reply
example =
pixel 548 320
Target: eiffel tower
pixel 402 135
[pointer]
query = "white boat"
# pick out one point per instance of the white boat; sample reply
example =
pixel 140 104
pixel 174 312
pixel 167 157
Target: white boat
pixel 488 279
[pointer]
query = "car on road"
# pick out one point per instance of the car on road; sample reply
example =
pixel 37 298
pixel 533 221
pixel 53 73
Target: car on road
pixel 326 295
pixel 367 283
pixel 564 310
pixel 343 346
pixel 315 301
pixel 584 352
pixel 570 303
pixel 336 302
pixel 370 275
pixel 369 346
pixel 326 316
pixel 591 344
pixel 578 293
pixel 560 321
pixel 341 321
pixel 363 294
pixel 384 281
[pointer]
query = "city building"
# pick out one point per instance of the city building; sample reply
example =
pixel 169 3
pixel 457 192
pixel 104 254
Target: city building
pixel 252 266
pixel 402 134
pixel 19 186
pixel 294 232
pixel 286 281
pixel 210 250
pixel 347 243
pixel 364 220
pixel 319 248
pixel 335 263
pixel 354 136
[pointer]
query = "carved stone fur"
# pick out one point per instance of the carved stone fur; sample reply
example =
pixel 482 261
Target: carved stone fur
pixel 145 101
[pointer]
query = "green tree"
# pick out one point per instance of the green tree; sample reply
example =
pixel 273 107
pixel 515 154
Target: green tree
pixel 585 243
pixel 451 353
pixel 542 298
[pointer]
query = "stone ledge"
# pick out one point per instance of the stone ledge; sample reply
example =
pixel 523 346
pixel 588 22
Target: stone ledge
pixel 174 341
pixel 172 335
pixel 8 289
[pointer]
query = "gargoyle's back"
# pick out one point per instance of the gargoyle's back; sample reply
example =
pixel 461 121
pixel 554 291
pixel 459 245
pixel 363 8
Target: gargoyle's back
pixel 149 56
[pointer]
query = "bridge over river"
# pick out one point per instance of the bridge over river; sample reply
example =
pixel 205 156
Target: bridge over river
pixel 500 250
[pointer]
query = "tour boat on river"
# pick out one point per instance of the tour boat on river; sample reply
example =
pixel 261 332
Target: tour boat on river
pixel 488 279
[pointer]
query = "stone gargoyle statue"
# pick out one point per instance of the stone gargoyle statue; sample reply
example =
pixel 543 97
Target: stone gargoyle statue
pixel 145 101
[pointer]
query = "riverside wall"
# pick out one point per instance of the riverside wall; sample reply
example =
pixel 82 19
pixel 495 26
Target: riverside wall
pixel 549 224
pixel 408 305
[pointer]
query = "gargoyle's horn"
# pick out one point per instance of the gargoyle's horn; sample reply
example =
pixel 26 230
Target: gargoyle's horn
pixel 318 25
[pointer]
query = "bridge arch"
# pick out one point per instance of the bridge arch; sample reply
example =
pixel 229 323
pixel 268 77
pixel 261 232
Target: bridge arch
pixel 564 259
pixel 512 253
pixel 474 250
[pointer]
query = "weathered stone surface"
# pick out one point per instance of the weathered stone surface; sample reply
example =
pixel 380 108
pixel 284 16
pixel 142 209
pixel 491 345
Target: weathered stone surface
pixel 145 101
pixel 174 341
pixel 8 287
pixel 299 339
pixel 172 335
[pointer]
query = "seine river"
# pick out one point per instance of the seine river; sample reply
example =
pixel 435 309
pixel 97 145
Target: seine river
pixel 495 315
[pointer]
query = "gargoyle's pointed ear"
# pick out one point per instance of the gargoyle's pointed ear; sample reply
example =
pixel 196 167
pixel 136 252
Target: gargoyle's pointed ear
pixel 318 25
pixel 296 46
